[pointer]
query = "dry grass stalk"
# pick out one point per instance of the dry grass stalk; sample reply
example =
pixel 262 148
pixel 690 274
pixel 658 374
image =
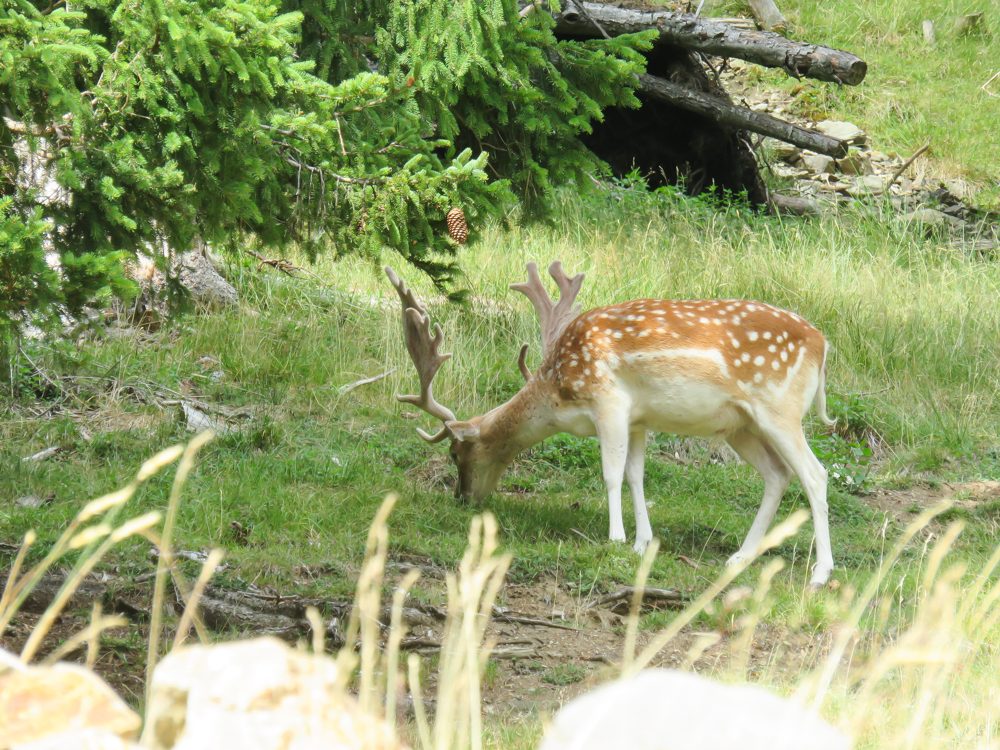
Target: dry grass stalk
pixel 776 536
pixel 159 588
pixel 207 570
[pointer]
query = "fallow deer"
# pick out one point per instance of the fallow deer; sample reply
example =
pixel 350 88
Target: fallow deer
pixel 741 371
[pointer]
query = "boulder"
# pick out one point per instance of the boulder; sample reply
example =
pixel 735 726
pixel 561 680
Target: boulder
pixel 661 709
pixel 254 695
pixel 40 705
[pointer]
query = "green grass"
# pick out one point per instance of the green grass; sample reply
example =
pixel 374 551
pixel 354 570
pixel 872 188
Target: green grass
pixel 912 92
pixel 914 327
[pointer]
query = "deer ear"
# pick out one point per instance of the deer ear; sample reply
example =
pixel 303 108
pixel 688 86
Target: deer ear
pixel 463 431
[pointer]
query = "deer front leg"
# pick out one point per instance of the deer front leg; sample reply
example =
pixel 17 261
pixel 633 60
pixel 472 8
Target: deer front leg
pixel 635 464
pixel 613 434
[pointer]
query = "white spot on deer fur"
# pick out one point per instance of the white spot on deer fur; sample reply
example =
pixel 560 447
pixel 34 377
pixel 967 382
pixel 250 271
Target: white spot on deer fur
pixel 758 360
pixel 717 321
pixel 586 354
pixel 607 331
pixel 758 377
pixel 752 308
pixel 729 308
pixel 776 365
pixel 641 318
pixel 752 335
pixel 657 312
pixel 573 363
pixel 586 371
pixel 737 362
pixel 772 348
pixel 735 343
pixel 767 334
pixel 629 329
pixel 643 334
pixel 743 386
pixel 630 317
pixel 595 329
pixel 791 346
pixel 702 320
pixel 746 356
pixel 784 356
pixel 676 335
pixel 617 334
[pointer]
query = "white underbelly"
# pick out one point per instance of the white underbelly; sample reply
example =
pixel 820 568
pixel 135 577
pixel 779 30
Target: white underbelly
pixel 684 407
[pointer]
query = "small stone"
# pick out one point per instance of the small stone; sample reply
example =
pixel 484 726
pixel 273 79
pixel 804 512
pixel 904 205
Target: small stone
pixel 781 151
pixel 878 156
pixel 930 217
pixel 31 501
pixel 844 131
pixel 818 163
pixel 959 188
pixel 868 185
pixel 856 163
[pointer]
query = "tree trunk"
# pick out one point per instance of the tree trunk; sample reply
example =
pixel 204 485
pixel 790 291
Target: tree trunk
pixel 731 115
pixel 713 38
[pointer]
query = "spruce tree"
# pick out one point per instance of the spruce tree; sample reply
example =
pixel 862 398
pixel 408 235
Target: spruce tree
pixel 338 126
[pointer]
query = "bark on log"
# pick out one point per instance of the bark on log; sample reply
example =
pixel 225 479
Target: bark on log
pixel 713 38
pixel 768 15
pixel 738 117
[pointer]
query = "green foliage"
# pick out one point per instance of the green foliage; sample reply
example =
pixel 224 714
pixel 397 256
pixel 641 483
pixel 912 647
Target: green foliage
pixel 490 80
pixel 166 121
pixel 564 673
pixel 846 461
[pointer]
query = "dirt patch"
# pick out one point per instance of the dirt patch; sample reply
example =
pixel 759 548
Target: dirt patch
pixel 552 641
pixel 902 506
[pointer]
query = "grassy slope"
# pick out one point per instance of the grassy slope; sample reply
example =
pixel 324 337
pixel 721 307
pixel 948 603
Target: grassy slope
pixel 912 92
pixel 914 329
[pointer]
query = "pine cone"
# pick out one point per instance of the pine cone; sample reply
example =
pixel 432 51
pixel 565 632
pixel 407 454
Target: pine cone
pixel 457 227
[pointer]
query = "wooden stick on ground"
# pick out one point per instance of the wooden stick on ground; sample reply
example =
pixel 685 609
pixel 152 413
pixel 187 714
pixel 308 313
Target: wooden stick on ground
pixel 907 163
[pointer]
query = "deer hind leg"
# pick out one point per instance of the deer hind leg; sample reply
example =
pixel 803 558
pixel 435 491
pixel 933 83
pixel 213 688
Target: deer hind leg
pixel 613 434
pixel 761 455
pixel 635 462
pixel 790 443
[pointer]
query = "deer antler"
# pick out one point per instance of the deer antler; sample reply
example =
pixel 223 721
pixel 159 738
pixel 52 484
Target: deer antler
pixel 423 349
pixel 553 317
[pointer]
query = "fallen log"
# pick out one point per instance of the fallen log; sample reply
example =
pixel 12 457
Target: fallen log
pixel 713 38
pixel 741 118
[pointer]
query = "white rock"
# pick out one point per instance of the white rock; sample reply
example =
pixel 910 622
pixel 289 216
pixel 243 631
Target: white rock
pixel 868 185
pixel 845 131
pixel 37 703
pixel 254 695
pixel 80 739
pixel 817 163
pixel 661 709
